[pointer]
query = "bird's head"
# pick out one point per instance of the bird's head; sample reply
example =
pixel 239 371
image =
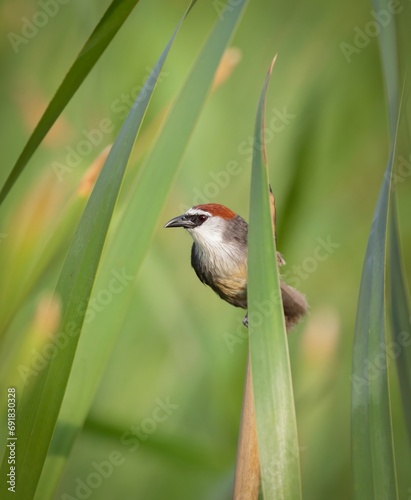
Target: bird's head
pixel 210 224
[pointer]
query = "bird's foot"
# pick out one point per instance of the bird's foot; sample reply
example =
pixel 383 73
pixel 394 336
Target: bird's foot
pixel 245 320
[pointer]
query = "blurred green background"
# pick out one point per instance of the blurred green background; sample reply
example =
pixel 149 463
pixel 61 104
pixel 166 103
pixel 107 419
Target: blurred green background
pixel 327 143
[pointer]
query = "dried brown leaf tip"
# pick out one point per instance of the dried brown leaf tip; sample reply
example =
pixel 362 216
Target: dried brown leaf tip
pixel 272 210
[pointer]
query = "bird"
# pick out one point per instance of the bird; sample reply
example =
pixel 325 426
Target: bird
pixel 219 257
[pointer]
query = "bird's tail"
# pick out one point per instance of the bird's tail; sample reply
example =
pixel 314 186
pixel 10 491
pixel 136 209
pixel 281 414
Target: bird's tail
pixel 294 303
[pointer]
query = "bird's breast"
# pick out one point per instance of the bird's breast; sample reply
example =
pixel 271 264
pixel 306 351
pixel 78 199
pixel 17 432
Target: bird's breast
pixel 224 271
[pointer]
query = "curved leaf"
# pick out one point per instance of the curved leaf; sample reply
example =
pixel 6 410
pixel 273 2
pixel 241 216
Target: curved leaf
pixel 400 318
pixel 372 446
pixel 270 365
pixel 371 430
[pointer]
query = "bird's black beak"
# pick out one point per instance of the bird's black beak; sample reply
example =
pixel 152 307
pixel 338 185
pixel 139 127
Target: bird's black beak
pixel 180 221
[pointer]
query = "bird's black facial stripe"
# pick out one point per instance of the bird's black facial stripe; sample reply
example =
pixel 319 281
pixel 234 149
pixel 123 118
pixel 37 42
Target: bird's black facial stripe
pixel 197 219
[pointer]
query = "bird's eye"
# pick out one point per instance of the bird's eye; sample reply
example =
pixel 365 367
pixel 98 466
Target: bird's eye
pixel 202 218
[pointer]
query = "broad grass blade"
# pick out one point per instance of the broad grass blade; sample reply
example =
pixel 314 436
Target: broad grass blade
pixel 400 319
pixel 372 446
pixel 270 363
pixel 373 459
pixel 393 62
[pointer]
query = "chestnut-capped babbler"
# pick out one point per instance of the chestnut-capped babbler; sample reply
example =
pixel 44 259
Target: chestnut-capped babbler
pixel 219 257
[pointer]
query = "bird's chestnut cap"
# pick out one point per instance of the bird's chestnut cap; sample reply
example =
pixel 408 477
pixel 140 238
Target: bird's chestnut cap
pixel 197 215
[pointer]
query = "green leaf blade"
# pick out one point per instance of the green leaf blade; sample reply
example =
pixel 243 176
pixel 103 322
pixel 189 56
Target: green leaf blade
pixel 383 291
pixel 270 365
pixel 373 461
pixel 400 318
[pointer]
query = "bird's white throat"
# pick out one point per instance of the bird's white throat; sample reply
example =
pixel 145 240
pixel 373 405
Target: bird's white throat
pixel 213 249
